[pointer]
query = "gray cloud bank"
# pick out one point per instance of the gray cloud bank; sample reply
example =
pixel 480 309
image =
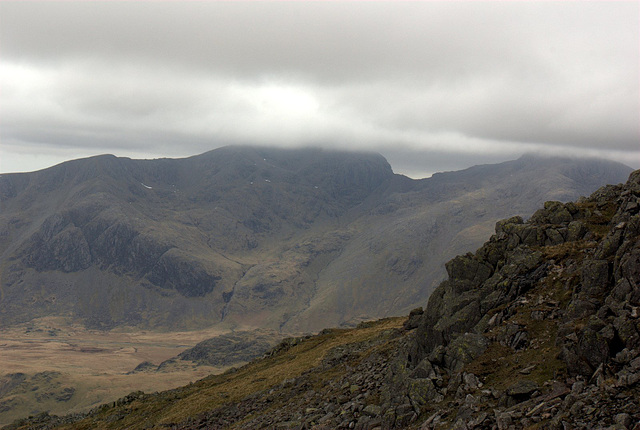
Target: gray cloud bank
pixel 431 85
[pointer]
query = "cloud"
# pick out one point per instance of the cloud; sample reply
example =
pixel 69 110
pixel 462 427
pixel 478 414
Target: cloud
pixel 466 81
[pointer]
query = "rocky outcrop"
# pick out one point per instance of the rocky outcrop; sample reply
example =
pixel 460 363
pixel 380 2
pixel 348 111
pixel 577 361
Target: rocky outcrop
pixel 183 273
pixel 572 268
pixel 73 240
pixel 230 349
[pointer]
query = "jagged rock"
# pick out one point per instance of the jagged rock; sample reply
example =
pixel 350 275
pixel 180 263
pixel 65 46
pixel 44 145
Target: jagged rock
pixel 471 381
pixel 421 392
pixel 503 226
pixel 504 420
pixel 555 236
pixel 522 389
pixel 624 420
pixel 65 394
pixel 576 231
pixel 225 350
pixel 635 363
pixel 519 341
pixel 464 349
pixel 610 244
pixel 626 332
pixel 595 277
pixel 628 271
pixel 623 357
pixel 468 268
pixel 372 411
pixel 436 356
pixel 591 350
pixel 176 271
pixel 58 245
pixel 553 213
pixel 424 369
pixel 627 379
pixel 414 319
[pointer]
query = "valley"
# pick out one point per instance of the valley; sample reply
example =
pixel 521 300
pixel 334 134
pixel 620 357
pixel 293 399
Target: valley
pixel 49 357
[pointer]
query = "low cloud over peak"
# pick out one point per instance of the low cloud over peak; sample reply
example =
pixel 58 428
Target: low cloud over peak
pixel 460 81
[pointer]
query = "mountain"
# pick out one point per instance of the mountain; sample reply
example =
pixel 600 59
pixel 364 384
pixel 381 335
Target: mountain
pixel 539 328
pixel 245 237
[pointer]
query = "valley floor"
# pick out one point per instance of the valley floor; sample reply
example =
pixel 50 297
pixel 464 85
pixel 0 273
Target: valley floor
pixel 52 365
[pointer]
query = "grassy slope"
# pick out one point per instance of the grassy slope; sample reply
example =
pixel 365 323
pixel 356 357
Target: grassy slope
pixel 233 386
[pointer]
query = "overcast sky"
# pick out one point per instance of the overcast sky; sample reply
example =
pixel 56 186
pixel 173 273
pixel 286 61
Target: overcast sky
pixel 431 85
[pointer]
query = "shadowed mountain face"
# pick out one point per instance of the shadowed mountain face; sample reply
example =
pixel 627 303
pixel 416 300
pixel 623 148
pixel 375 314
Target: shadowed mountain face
pixel 287 239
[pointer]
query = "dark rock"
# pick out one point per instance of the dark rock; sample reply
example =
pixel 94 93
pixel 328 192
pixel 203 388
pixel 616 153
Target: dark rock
pixel 624 420
pixel 500 225
pixel 595 277
pixel 145 366
pixel 519 340
pixel 414 319
pixel 555 236
pixel 591 349
pixel 464 349
pixel 423 370
pixel 576 231
pixel 627 379
pixel 372 411
pixel 65 394
pixel 553 213
pixel 421 392
pixel 522 389
pixel 229 349
pixel 626 334
pixel 468 267
pixel 188 277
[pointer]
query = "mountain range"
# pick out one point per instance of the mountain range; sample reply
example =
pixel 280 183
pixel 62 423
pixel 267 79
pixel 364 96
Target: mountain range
pixel 244 237
pixel 539 328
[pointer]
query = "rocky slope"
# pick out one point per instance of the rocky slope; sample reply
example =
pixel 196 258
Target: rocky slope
pixel 539 328
pixel 292 240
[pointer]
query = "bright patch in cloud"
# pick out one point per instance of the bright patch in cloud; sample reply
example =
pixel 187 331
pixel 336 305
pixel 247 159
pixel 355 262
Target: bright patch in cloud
pixel 81 78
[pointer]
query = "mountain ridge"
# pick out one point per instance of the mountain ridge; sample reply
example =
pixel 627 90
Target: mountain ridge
pixel 244 234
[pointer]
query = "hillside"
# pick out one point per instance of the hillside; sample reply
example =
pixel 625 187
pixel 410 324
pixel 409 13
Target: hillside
pixel 244 237
pixel 539 328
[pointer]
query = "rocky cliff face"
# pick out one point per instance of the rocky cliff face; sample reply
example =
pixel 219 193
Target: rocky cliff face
pixel 545 315
pixel 539 328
